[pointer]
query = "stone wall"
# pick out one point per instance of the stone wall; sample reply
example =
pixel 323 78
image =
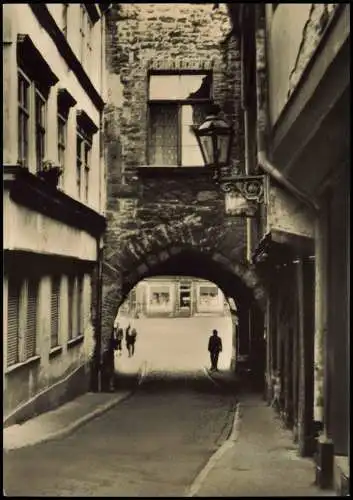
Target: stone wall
pixel 151 215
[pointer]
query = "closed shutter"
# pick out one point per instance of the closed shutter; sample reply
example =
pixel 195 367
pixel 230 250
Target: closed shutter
pixel 71 284
pixel 79 305
pixel 55 311
pixel 13 306
pixel 31 330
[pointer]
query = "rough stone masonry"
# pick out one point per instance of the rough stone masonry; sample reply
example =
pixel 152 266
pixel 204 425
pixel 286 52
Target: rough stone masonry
pixel 151 217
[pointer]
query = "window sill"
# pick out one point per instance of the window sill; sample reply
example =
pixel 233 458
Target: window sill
pixel 30 361
pixel 55 351
pixel 75 341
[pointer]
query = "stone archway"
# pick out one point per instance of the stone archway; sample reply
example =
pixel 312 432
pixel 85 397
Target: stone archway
pixel 182 249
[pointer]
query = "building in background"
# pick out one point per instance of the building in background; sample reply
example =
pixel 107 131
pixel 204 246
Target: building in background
pixel 174 297
pixel 295 88
pixel 54 199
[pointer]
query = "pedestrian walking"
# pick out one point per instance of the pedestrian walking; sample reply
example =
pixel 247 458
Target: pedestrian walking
pixel 119 339
pixel 214 348
pixel 276 381
pixel 130 338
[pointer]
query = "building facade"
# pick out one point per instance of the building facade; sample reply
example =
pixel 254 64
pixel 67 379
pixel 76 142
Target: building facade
pixel 174 297
pixel 54 199
pixel 295 99
pixel 167 64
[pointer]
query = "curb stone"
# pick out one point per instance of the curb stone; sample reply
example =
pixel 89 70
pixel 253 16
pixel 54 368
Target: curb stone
pixel 86 418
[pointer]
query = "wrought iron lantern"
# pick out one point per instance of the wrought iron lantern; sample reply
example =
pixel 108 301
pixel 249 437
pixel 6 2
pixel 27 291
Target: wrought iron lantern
pixel 243 193
pixel 214 137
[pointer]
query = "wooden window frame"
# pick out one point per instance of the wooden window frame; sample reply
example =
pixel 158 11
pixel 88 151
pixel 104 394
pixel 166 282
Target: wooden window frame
pixel 23 327
pixel 62 142
pixel 71 307
pixel 55 280
pixel 40 129
pixel 83 162
pixel 178 103
pixel 24 113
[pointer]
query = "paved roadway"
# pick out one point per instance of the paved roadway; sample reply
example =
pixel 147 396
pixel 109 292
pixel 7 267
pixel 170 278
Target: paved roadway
pixel 152 444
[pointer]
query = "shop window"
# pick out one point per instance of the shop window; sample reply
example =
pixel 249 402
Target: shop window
pixel 177 102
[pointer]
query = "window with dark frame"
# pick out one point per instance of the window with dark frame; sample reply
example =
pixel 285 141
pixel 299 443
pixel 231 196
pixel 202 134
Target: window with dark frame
pixel 87 165
pixel 177 102
pixel 40 128
pixel 23 117
pixel 79 143
pixel 83 162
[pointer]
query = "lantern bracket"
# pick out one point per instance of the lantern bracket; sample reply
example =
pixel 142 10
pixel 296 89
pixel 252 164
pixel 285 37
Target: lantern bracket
pixel 250 187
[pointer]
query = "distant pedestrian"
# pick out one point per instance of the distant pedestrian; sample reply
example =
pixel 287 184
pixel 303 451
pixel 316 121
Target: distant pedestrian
pixel 214 348
pixel 119 339
pixel 130 338
pixel 276 381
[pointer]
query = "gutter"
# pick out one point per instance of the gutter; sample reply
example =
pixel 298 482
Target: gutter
pixel 262 116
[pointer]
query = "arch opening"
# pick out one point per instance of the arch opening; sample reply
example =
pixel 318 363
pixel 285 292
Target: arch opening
pixel 236 281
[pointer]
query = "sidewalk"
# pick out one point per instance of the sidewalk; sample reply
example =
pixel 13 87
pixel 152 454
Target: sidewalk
pixel 258 459
pixel 66 418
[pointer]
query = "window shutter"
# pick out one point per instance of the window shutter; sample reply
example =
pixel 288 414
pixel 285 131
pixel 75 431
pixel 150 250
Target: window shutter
pixel 71 284
pixel 31 331
pixel 79 305
pixel 13 305
pixel 55 311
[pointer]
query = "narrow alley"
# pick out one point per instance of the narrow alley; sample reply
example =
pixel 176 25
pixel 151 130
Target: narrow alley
pixel 176 294
pixel 164 439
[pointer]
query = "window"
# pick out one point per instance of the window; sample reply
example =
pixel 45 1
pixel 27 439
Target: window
pixel 21 319
pixel 35 79
pixel 79 143
pixel 87 157
pixel 31 323
pixel 71 311
pixel 13 322
pixel 176 103
pixel 61 139
pixel 79 305
pixel 54 311
pixel 83 162
pixel 23 117
pixel 40 118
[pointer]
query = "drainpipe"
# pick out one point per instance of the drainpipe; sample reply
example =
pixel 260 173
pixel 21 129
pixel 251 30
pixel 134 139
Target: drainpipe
pixel 262 117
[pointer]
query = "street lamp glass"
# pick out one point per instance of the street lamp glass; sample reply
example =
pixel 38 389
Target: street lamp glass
pixel 214 137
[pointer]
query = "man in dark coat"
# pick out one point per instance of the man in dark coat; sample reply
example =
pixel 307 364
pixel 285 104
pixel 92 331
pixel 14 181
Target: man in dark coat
pixel 214 348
